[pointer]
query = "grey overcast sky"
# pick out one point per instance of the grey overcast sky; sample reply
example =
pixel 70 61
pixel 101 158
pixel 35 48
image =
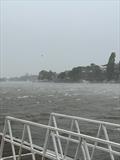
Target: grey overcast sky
pixel 57 35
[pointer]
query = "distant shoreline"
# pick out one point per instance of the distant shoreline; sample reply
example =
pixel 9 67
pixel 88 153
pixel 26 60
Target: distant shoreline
pixel 72 82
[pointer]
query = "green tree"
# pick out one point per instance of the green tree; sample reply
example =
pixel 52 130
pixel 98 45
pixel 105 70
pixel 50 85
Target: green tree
pixel 95 72
pixel 62 76
pixel 110 66
pixel 75 74
pixel 119 71
pixel 47 75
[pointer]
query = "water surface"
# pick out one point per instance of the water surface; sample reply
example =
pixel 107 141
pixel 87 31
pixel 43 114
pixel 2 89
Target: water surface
pixel 35 102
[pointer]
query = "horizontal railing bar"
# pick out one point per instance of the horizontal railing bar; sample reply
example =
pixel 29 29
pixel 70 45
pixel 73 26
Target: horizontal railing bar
pixel 63 137
pixel 22 155
pixel 25 142
pixel 36 149
pixel 66 138
pixel 85 119
pixel 104 149
pixel 89 144
pixel 72 140
pixel 64 131
pixel 47 155
pixel 1 133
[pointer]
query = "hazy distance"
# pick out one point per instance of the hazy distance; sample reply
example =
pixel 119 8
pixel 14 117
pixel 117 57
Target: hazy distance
pixel 57 35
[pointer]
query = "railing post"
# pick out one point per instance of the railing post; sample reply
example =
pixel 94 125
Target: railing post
pixel 66 148
pixel 11 138
pixel 31 143
pixel 107 138
pixel 95 144
pixel 58 139
pixel 47 137
pixel 79 144
pixel 2 139
pixel 22 141
pixel 55 146
pixel 86 150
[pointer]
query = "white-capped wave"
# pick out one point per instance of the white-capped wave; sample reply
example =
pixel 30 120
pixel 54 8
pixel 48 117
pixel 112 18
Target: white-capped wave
pixel 22 97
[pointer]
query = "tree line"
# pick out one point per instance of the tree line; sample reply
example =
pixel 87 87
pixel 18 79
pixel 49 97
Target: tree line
pixel 92 73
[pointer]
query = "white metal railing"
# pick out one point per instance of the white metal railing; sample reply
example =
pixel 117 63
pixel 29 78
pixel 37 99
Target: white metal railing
pixel 85 145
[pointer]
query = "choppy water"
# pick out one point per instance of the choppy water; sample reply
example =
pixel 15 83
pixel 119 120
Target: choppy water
pixel 35 101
